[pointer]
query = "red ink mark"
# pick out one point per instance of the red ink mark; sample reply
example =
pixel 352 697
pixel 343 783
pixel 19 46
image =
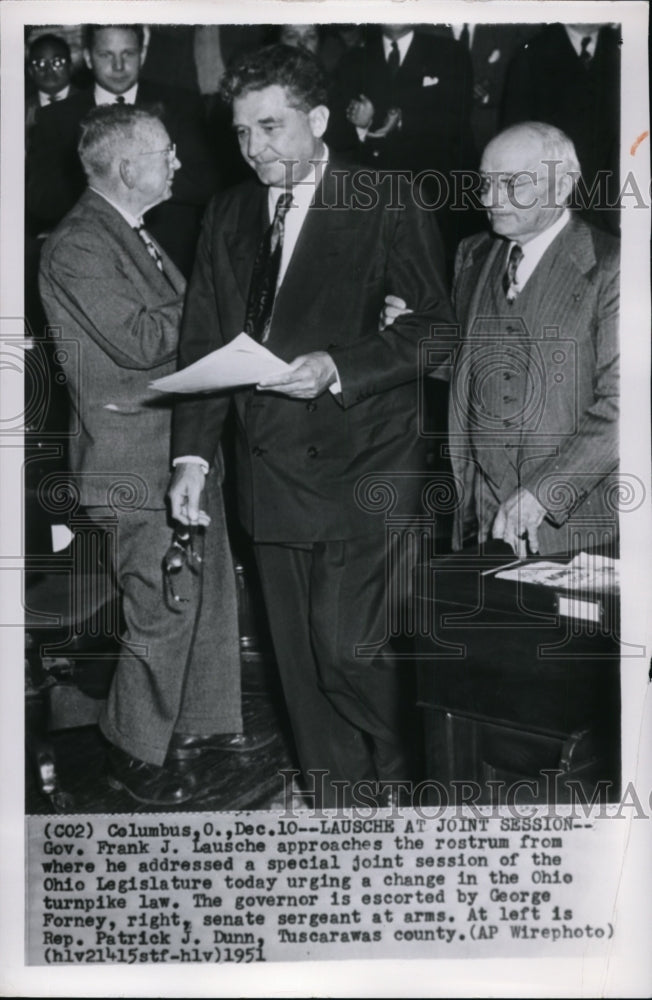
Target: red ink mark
pixel 638 142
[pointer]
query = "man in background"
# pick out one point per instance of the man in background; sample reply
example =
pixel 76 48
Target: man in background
pixel 50 68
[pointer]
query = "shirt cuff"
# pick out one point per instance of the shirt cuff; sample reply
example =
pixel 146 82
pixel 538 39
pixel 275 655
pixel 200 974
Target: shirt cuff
pixel 192 460
pixel 335 386
pixel 362 133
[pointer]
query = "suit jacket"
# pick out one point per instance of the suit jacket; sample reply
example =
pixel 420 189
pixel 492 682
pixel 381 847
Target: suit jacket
pixel 565 457
pixel 434 90
pixel 101 287
pixel 301 461
pixel 55 179
pixel 33 106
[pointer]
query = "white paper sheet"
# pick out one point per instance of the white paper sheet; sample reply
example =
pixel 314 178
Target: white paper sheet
pixel 242 361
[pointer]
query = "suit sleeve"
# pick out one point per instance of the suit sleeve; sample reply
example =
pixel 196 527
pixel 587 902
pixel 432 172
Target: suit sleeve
pixel 414 269
pixel 592 453
pixel 83 278
pixel 197 422
pixel 54 176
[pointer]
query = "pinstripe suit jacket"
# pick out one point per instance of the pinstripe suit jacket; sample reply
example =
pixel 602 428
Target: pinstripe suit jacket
pixel 566 456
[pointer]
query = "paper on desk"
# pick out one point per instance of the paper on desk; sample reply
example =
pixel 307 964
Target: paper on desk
pixel 587 571
pixel 242 361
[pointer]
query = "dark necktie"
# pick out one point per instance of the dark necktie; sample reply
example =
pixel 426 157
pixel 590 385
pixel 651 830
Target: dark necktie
pixel 393 59
pixel 264 278
pixel 465 38
pixel 509 277
pixel 585 55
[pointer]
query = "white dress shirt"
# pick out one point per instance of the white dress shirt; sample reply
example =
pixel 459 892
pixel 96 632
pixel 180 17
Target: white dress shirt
pixel 46 99
pixel 403 43
pixel 534 249
pixel 575 37
pixel 103 96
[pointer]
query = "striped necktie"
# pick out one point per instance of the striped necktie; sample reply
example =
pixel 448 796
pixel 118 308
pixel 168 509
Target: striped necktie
pixel 150 246
pixel 264 278
pixel 510 286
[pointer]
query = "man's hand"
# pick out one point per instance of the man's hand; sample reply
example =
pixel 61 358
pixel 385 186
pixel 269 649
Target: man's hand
pixel 392 309
pixel 184 494
pixel 393 120
pixel 311 374
pixel 518 520
pixel 360 111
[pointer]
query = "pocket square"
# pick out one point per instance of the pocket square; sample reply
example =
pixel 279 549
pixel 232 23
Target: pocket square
pixel 430 81
pixel 494 57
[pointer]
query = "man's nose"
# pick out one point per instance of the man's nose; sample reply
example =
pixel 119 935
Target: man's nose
pixel 118 63
pixel 255 145
pixel 175 163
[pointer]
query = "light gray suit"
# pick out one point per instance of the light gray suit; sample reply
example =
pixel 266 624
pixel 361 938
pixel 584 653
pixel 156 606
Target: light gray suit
pixel 179 669
pixel 534 394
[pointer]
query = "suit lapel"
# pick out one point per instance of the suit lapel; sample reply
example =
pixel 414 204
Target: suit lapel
pixel 243 238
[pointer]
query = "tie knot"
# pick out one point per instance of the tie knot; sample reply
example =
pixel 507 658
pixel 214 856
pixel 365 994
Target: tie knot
pixel 515 256
pixel 119 100
pixel 283 205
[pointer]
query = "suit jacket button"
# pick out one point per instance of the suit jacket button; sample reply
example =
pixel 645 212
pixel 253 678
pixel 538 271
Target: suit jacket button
pixel 311 406
pixel 312 451
pixel 258 451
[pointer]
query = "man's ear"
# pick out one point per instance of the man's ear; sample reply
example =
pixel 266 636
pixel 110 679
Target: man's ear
pixel 565 185
pixel 318 118
pixel 127 174
pixel 87 58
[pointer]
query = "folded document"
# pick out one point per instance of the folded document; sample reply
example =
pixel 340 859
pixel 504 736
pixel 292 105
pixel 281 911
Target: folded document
pixel 242 361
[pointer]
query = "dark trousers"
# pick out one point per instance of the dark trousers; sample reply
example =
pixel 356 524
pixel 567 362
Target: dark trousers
pixel 346 705
pixel 178 670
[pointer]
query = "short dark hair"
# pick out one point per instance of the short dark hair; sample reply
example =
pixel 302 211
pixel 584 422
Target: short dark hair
pixel 104 130
pixel 292 68
pixel 90 30
pixel 48 39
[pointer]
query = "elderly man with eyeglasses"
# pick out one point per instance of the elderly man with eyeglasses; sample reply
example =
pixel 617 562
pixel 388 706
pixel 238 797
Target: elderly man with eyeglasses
pixel 533 416
pixel 112 288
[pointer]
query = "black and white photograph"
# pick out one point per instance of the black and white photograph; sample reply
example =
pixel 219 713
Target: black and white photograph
pixel 325 488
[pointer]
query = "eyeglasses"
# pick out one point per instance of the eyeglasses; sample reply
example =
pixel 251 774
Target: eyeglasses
pixel 57 62
pixel 170 151
pixel 507 185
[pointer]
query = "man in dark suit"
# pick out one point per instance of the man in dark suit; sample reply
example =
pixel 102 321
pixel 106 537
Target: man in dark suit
pixel 403 102
pixel 115 291
pixel 346 413
pixel 533 419
pixel 569 76
pixel 55 178
pixel 49 66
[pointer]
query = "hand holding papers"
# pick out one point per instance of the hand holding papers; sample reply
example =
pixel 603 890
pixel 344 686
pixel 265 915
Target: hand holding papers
pixel 242 361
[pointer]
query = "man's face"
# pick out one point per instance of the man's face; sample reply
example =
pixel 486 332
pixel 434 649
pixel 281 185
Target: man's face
pixel 49 67
pixel 115 59
pixel 271 131
pixel 521 194
pixel 153 162
pixel 303 36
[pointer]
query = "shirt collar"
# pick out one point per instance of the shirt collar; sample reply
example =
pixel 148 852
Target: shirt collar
pixel 103 96
pixel 536 247
pixel 575 37
pixel 303 191
pixel 126 215
pixel 44 99
pixel 403 45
